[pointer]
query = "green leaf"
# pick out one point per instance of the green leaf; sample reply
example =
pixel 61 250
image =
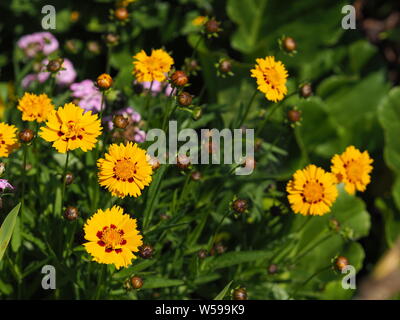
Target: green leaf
pixel 152 283
pixel 233 258
pixel 7 228
pixel 222 294
pixel 389 117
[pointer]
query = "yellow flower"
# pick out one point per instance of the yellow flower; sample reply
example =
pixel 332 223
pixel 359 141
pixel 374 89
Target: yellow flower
pixel 35 107
pixel 124 170
pixel 199 21
pixel 112 236
pixel 70 127
pixel 8 139
pixel 312 191
pixel 353 168
pixel 152 68
pixel 271 78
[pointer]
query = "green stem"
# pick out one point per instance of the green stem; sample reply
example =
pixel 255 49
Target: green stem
pixel 217 230
pixel 103 99
pixel 63 181
pixel 100 282
pixel 25 150
pixel 167 114
pixel 196 46
pixel 268 117
pixel 248 107
pixel 308 280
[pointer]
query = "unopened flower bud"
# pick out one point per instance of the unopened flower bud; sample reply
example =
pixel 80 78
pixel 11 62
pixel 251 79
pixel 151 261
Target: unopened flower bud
pixel 185 99
pixel 121 14
pixel 225 66
pixel 104 81
pixel 112 39
pixel 182 161
pixel 197 112
pixel 120 121
pixel 154 162
pixel 164 216
pixel 272 269
pixel 136 282
pixel 341 262
pixel 26 135
pixel 212 26
pixel 94 47
pixel 179 78
pixel 196 176
pixel 202 254
pixel 306 90
pixel 146 251
pixel 239 294
pixel 218 248
pixel 2 168
pixel 334 225
pixel 69 178
pixel 239 205
pixel 289 44
pixel 71 213
pixel 294 115
pixel 54 65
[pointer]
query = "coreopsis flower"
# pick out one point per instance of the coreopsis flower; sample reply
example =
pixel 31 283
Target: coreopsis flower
pixel 312 191
pixel 88 94
pixel 38 42
pixel 271 78
pixel 352 168
pixel 112 237
pixel 8 139
pixel 35 107
pixel 153 67
pixel 124 171
pixel 199 21
pixel 70 127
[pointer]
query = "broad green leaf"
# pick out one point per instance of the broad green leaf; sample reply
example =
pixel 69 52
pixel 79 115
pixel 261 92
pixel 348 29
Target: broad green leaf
pixel 153 282
pixel 7 228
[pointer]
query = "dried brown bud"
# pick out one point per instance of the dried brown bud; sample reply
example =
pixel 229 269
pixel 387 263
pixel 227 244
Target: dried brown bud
pixel 112 39
pixel 164 216
pixel 146 251
pixel 185 99
pixel 240 205
pixel 341 262
pixel 136 282
pixel 104 81
pixel 26 135
pixel 120 121
pixel 71 213
pixel 306 90
pixel 94 47
pixel 121 14
pixel 218 248
pixel 239 294
pixel 179 78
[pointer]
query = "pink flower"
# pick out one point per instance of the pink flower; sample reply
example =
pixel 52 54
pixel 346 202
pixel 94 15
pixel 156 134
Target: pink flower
pixel 63 77
pixel 90 97
pixel 157 87
pixel 140 136
pixel 4 184
pixel 34 43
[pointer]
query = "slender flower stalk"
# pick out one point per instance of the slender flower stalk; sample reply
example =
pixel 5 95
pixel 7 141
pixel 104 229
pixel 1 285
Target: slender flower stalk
pixel 248 107
pixel 64 180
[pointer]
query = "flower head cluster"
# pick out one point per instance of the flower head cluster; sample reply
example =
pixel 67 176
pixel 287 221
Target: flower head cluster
pixel 8 139
pixel 38 42
pixel 153 67
pixel 312 191
pixel 70 127
pixel 124 170
pixel 35 107
pixel 112 236
pixel 4 184
pixel 271 78
pixel 87 93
